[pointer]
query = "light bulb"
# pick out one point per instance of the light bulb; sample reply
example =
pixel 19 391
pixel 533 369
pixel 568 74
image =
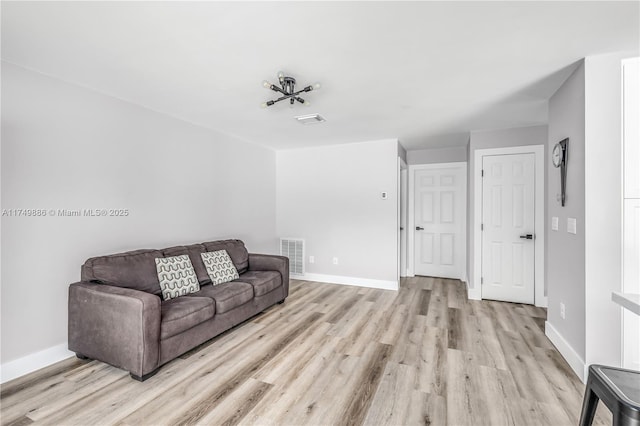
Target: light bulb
pixel 280 75
pixel 266 84
pixel 316 86
pixel 307 103
pixel 263 105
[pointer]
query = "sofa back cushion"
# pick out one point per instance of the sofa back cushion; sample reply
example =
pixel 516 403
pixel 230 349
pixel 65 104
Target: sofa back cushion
pixel 194 251
pixel 134 269
pixel 236 250
pixel 137 269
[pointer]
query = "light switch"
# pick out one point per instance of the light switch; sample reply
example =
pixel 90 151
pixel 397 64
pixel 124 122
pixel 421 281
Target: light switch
pixel 554 223
pixel 571 225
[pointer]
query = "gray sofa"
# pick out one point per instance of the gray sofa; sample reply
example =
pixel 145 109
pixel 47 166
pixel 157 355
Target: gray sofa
pixel 117 315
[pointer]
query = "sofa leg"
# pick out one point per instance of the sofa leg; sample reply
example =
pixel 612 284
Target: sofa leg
pixel 80 356
pixel 281 302
pixel 144 376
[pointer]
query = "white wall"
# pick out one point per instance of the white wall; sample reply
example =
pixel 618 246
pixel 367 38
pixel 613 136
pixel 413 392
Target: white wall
pixel 454 154
pixel 66 147
pixel 402 153
pixel 483 139
pixel 586 269
pixel 603 206
pixel 564 254
pixel 331 197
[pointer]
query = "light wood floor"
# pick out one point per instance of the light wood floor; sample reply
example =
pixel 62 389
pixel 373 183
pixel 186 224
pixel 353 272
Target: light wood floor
pixel 333 355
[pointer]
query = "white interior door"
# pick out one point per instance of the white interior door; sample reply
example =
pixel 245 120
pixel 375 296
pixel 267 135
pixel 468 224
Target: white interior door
pixel 508 227
pixel 439 219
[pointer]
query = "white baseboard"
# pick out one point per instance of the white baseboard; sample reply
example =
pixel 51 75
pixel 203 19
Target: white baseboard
pixel 576 363
pixel 359 282
pixel 32 362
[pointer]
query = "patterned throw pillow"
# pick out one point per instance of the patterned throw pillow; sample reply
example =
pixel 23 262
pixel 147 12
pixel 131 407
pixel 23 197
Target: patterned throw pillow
pixel 176 276
pixel 219 266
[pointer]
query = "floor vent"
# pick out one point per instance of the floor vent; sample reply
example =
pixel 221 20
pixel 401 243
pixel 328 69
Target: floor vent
pixel 293 248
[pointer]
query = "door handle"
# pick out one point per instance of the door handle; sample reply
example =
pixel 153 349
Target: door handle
pixel 527 236
pixel 419 228
pixel 401 228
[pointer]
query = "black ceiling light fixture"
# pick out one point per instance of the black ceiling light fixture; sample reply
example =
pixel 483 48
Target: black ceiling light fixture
pixel 288 91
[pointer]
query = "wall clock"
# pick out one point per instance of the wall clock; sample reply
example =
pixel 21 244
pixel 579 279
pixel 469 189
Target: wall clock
pixel 559 158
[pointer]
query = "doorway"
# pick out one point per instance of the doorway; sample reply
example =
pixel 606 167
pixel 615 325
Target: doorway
pixel 438 226
pixel 402 218
pixel 509 225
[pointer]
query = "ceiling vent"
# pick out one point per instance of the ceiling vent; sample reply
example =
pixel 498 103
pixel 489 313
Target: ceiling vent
pixel 310 119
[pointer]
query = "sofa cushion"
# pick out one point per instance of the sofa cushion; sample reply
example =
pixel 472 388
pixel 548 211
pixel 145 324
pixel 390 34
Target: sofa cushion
pixel 176 275
pixel 135 269
pixel 182 313
pixel 193 251
pixel 219 267
pixel 227 296
pixel 236 250
pixel 262 281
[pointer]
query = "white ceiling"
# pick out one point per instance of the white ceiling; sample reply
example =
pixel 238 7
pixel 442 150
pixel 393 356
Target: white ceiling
pixel 424 72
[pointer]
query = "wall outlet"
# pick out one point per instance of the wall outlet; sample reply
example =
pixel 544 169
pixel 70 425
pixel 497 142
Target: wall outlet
pixel 562 311
pixel 384 195
pixel 335 260
pixel 312 259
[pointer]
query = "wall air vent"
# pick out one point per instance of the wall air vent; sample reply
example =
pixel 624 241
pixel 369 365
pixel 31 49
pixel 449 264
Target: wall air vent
pixel 310 119
pixel 293 248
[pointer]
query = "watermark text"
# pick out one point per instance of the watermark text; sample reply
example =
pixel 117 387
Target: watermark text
pixel 84 212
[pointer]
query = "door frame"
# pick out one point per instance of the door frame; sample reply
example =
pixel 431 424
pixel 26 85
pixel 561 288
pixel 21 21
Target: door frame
pixel 411 213
pixel 402 211
pixel 538 150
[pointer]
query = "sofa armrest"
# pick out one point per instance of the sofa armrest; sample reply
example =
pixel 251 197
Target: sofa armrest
pixel 269 262
pixel 119 326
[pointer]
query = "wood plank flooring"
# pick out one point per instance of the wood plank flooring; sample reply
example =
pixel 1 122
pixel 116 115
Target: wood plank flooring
pixel 333 355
